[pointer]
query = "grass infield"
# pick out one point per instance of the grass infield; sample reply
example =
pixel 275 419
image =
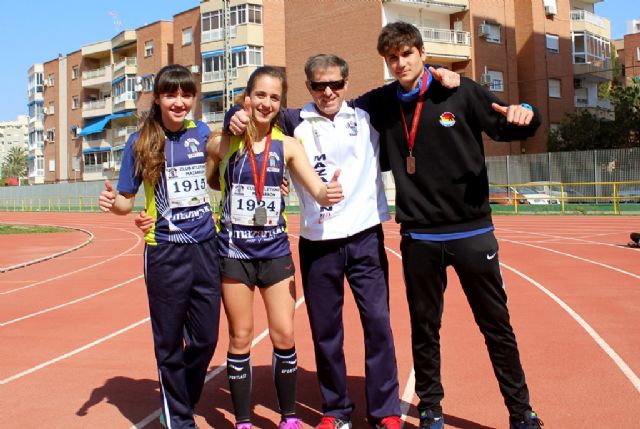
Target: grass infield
pixel 29 229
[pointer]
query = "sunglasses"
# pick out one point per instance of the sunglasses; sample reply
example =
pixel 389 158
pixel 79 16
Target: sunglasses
pixel 322 86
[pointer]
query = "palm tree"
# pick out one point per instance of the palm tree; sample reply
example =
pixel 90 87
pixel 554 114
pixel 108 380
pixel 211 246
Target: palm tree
pixel 15 163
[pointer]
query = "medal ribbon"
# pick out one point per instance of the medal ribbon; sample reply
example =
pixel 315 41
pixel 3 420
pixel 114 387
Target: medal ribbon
pixel 259 181
pixel 411 137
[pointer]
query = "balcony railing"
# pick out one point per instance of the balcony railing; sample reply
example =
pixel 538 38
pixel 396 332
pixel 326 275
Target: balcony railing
pixel 93 74
pixel 443 35
pixel 124 97
pixel 218 75
pixel 128 61
pixel 94 104
pixel 585 15
pixel 213 116
pixel 217 34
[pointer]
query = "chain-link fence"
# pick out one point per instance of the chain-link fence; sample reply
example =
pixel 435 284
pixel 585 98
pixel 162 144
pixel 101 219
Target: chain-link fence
pixel 600 180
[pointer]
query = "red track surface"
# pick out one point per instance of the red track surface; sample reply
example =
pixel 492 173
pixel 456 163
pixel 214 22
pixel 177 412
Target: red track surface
pixel 76 347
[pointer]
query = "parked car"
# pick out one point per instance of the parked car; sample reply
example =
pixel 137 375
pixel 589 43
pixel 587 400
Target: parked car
pixel 558 191
pixel 507 195
pixel 534 196
pixel 629 195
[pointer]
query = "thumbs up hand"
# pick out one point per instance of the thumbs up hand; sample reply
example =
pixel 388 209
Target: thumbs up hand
pixel 240 120
pixel 107 197
pixel 334 189
pixel 515 114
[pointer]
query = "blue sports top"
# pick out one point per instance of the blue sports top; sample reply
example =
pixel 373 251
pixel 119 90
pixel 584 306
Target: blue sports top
pixel 179 202
pixel 238 236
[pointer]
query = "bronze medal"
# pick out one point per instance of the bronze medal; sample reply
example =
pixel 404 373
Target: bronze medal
pixel 411 164
pixel 260 216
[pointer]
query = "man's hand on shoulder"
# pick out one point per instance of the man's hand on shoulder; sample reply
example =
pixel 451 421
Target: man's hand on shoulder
pixel 449 79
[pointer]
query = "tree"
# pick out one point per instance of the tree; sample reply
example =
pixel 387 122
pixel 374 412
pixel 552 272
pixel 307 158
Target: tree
pixel 15 163
pixel 584 131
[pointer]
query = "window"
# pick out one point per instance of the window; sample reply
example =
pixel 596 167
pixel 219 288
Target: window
pixel 246 13
pixel 52 79
pixel 591 49
pixel 75 163
pixel 52 108
pixel 491 32
pixel 554 88
pixel 75 102
pixel 52 165
pixel 212 20
pixel 638 53
pixel 241 56
pixel 187 38
pixel 148 48
pixel 497 84
pixel 553 43
pixel 147 83
pixel 74 131
pixel 51 135
pixel 75 72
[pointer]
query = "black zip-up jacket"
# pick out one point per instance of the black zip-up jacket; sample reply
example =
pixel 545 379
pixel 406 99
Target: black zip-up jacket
pixel 449 192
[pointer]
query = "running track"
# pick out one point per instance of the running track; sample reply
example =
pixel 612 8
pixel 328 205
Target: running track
pixel 76 351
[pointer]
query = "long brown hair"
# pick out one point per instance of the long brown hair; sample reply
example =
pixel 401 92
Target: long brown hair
pixel 149 149
pixel 275 72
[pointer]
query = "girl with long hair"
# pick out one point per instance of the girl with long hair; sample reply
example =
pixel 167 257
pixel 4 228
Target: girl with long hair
pixel 181 265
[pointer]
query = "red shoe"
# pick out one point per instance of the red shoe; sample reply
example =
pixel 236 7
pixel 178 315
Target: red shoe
pixel 389 422
pixel 330 422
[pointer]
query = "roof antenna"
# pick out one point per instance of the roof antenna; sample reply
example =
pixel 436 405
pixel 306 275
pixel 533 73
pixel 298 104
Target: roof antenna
pixel 116 20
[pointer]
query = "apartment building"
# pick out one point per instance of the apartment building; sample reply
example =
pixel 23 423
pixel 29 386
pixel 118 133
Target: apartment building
pixel 256 38
pixel 13 134
pixel 550 53
pixel 35 105
pixel 631 48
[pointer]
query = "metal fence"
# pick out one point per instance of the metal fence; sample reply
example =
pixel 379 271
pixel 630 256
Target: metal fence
pixel 600 177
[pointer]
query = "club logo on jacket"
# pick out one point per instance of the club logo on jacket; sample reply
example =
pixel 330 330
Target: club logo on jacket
pixel 353 128
pixel 447 119
pixel 273 162
pixel 193 146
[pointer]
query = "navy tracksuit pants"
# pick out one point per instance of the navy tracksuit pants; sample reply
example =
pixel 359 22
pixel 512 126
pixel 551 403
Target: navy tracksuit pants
pixel 324 265
pixel 475 260
pixel 183 287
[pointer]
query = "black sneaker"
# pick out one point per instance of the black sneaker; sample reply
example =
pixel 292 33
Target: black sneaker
pixel 430 421
pixel 530 421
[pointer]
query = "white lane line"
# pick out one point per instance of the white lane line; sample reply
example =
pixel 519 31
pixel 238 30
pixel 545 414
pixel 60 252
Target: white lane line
pixel 410 385
pixel 75 301
pixel 210 376
pixel 626 370
pixel 569 255
pixel 71 353
pixel 138 239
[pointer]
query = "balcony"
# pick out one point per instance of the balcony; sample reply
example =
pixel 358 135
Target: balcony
pixel 446 45
pixel 218 75
pixel 591 68
pixel 128 65
pixel 217 34
pixel 212 117
pixel 124 101
pixel 97 78
pixel 583 20
pixel 441 6
pixel 121 134
pixel 93 108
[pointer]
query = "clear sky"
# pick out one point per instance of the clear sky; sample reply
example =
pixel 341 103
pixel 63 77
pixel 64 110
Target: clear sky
pixel 36 31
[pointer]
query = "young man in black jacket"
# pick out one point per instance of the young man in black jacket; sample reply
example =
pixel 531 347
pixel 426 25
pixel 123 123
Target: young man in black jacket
pixel 431 138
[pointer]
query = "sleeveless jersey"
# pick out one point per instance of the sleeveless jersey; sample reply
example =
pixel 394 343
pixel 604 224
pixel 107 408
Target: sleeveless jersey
pixel 179 202
pixel 238 235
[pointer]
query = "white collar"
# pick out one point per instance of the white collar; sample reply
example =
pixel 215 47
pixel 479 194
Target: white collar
pixel 309 111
